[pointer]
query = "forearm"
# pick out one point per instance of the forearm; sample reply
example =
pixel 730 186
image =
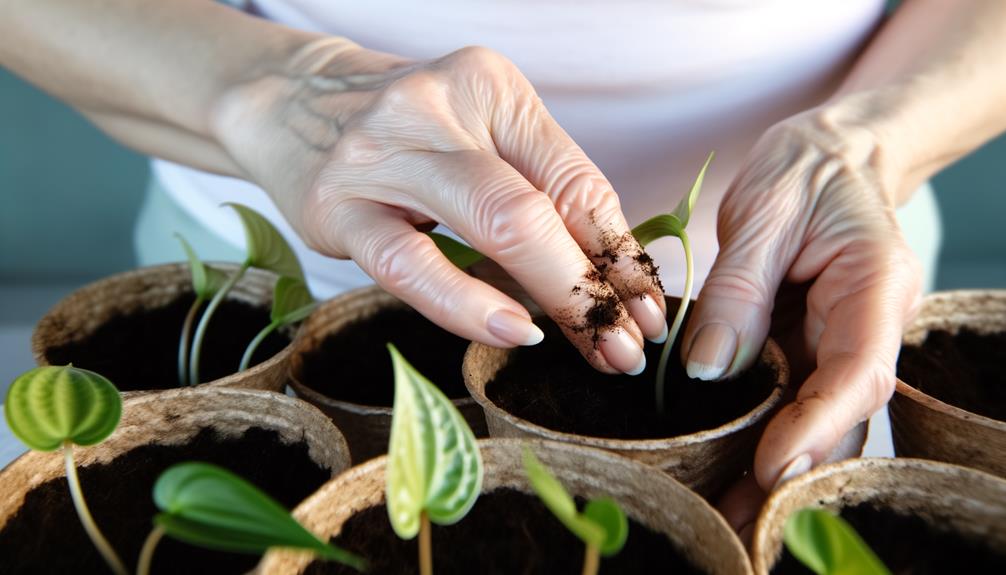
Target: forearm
pixel 147 72
pixel 931 86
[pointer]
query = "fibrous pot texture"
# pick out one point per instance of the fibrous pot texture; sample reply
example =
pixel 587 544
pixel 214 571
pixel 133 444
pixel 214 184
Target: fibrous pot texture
pixel 84 312
pixel 646 495
pixel 366 427
pixel 926 427
pixel 948 497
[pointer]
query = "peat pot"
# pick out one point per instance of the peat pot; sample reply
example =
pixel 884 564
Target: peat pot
pixel 919 516
pixel 509 530
pixel 340 363
pixel 127 327
pixel 706 438
pixel 283 445
pixel 950 403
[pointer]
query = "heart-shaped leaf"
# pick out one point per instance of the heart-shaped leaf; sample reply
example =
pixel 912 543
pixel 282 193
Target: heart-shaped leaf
pixel 434 464
pixel 827 545
pixel 206 280
pixel 291 301
pixel 658 227
pixel 458 253
pixel 50 405
pixel 207 505
pixel 605 513
pixel 684 208
pixel 267 249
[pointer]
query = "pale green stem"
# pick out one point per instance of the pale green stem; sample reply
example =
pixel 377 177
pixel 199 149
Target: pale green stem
pixel 591 560
pixel 250 350
pixel 204 322
pixel 85 515
pixel 425 545
pixel 679 318
pixel 183 345
pixel 147 553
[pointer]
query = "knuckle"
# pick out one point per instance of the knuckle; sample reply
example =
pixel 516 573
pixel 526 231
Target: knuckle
pixel 413 90
pixel 579 192
pixel 507 219
pixel 393 260
pixel 737 284
pixel 479 58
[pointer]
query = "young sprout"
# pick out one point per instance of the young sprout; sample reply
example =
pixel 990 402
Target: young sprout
pixel 266 250
pixel 458 253
pixel 291 302
pixel 673 224
pixel 434 471
pixel 602 526
pixel 208 506
pixel 52 407
pixel 827 545
pixel 206 281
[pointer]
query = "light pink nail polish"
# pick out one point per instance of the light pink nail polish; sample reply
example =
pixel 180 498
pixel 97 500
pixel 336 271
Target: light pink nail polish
pixel 622 352
pixel 514 329
pixel 649 317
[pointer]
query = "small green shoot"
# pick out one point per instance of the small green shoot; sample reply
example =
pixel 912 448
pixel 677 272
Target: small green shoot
pixel 602 526
pixel 53 407
pixel 291 302
pixel 208 506
pixel 206 281
pixel 458 253
pixel 266 250
pixel 434 470
pixel 673 224
pixel 827 545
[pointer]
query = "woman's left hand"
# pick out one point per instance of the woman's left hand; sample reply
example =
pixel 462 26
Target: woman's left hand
pixel 809 245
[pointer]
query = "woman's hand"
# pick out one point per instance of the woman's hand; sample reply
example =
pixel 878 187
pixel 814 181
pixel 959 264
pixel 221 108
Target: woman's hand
pixel 360 148
pixel 809 244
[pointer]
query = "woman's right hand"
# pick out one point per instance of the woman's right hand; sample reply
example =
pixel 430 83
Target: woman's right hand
pixel 358 148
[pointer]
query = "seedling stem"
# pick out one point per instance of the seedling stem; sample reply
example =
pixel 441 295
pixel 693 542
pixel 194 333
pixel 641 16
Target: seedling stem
pixel 183 346
pixel 591 560
pixel 85 514
pixel 425 546
pixel 204 321
pixel 147 553
pixel 250 350
pixel 679 318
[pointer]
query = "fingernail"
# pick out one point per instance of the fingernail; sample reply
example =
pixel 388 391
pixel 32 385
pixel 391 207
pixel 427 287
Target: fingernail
pixel 649 317
pixel 745 534
pixel 712 352
pixel 623 352
pixel 514 329
pixel 798 466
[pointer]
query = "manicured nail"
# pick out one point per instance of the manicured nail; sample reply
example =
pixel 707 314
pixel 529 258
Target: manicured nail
pixel 712 352
pixel 514 329
pixel 623 352
pixel 649 317
pixel 798 466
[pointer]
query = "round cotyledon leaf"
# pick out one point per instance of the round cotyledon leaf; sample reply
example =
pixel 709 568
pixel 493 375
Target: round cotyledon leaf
pixel 48 406
pixel 605 513
pixel 828 545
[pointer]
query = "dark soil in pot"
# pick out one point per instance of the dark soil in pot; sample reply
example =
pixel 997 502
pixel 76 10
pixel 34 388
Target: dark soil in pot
pixel 45 535
pixel 552 386
pixel 140 351
pixel 506 532
pixel 966 370
pixel 353 363
pixel 908 544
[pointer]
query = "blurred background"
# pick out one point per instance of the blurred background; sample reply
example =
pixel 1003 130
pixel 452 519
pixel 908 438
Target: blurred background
pixel 70 195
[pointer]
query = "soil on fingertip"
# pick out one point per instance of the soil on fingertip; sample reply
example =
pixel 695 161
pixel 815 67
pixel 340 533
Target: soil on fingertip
pixel 45 535
pixel 506 532
pixel 139 351
pixel 966 370
pixel 910 544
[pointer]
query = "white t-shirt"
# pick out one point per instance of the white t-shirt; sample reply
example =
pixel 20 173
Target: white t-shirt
pixel 646 87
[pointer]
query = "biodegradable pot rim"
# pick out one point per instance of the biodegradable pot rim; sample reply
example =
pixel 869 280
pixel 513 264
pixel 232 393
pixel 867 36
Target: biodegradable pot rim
pixel 497 449
pixel 768 525
pixel 254 278
pixel 930 320
pixel 346 304
pixel 288 416
pixel 771 354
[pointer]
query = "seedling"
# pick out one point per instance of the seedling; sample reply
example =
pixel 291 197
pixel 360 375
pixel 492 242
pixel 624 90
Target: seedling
pixel 291 302
pixel 266 250
pixel 602 526
pixel 673 224
pixel 827 545
pixel 434 470
pixel 208 506
pixel 206 282
pixel 458 253
pixel 50 408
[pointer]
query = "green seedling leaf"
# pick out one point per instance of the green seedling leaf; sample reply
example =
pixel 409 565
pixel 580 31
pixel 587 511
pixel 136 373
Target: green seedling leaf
pixel 434 464
pixel 602 524
pixel 206 280
pixel 49 406
pixel 291 301
pixel 683 210
pixel 208 506
pixel 658 227
pixel 458 253
pixel 828 545
pixel 266 247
